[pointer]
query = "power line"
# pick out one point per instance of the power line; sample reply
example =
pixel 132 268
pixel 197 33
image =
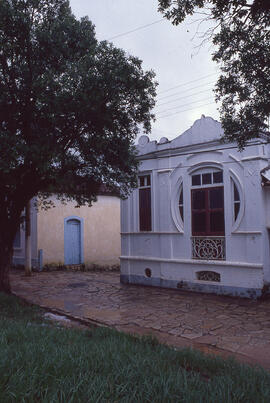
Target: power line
pixel 184 97
pixel 134 30
pixel 189 82
pixel 186 110
pixel 180 106
pixel 185 90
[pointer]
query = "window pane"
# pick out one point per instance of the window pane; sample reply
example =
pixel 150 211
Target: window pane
pixel 141 181
pixel 196 180
pixel 198 199
pixel 236 193
pixel 181 210
pixel 199 222
pixel 206 179
pixel 216 198
pixel 218 177
pixel 181 197
pixel 145 209
pixel 148 181
pixel 236 210
pixel 217 222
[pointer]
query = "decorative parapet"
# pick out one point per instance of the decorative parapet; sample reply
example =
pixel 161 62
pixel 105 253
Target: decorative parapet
pixel 208 248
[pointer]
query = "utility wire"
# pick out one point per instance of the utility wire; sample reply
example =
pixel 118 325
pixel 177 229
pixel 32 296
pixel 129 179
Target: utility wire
pixel 186 110
pixel 185 90
pixel 181 106
pixel 184 97
pixel 189 82
pixel 135 30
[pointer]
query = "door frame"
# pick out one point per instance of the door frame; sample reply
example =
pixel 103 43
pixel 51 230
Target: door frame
pixel 81 222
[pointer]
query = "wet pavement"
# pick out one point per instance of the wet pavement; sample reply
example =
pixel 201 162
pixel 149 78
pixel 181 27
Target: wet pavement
pixel 214 324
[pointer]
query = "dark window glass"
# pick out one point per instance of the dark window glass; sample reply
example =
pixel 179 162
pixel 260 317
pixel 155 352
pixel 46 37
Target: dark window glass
pixel 206 179
pixel 181 197
pixel 145 209
pixel 196 180
pixel 199 222
pixel 218 177
pixel 217 221
pixel 148 181
pixel 17 240
pixel 236 193
pixel 181 210
pixel 141 181
pixel 236 210
pixel 181 204
pixel 198 199
pixel 216 198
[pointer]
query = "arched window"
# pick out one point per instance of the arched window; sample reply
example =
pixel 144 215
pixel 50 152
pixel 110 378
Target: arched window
pixel 236 202
pixel 177 204
pixel 181 203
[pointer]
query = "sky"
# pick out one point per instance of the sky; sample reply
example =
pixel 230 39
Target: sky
pixel 184 69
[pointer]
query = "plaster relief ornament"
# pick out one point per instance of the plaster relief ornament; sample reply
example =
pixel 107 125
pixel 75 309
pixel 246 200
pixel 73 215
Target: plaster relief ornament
pixel 143 140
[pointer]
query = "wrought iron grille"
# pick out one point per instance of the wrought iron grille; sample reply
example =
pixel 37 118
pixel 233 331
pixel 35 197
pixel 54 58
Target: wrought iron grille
pixel 208 248
pixel 208 276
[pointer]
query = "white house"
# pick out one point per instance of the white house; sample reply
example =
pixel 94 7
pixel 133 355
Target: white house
pixel 200 217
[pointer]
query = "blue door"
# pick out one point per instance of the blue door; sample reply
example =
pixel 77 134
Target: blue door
pixel 73 242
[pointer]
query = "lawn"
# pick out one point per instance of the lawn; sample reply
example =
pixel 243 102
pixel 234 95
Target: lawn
pixel 41 362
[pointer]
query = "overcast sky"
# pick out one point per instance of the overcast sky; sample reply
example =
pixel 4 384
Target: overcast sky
pixel 184 71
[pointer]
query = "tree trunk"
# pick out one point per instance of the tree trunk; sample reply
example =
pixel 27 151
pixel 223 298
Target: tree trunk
pixel 6 253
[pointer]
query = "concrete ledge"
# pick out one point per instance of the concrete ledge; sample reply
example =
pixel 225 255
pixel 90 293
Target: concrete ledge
pixel 198 262
pixel 243 292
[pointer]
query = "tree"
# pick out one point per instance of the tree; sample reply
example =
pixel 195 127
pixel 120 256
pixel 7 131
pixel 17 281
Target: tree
pixel 70 108
pixel 242 38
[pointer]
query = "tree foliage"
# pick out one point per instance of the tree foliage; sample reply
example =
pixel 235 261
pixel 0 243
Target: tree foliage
pixel 70 108
pixel 242 38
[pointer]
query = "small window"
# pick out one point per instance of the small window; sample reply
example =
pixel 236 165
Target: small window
pixel 206 179
pixel 145 203
pixel 236 201
pixel 181 204
pixel 218 177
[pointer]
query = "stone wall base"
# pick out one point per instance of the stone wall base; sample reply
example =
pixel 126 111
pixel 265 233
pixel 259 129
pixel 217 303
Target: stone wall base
pixel 233 291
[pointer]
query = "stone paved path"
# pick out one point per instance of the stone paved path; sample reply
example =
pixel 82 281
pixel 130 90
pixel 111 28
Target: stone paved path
pixel 222 325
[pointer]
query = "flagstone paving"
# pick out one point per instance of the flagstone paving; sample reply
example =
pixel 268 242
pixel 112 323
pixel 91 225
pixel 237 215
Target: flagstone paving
pixel 215 324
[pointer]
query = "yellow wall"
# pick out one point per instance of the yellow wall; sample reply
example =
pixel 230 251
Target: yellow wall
pixel 101 230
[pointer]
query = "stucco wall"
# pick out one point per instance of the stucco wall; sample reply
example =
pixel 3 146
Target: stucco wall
pixel 101 226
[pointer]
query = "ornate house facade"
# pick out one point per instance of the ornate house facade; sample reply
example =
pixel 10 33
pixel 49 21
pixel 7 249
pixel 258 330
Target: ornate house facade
pixel 199 218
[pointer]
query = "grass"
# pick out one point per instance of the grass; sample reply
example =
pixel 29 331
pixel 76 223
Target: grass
pixel 40 362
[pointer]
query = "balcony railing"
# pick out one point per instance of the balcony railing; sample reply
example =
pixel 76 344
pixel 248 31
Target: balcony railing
pixel 208 248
